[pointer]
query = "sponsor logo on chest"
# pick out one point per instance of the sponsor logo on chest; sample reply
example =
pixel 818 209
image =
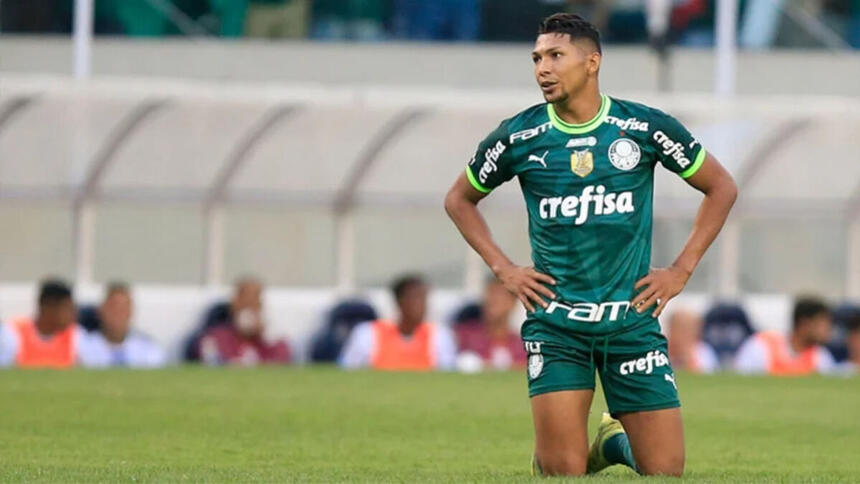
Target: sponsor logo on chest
pixel 580 142
pixel 629 124
pixel 530 133
pixel 593 200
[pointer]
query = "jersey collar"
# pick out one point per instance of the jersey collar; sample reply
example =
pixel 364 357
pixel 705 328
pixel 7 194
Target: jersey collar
pixel 565 127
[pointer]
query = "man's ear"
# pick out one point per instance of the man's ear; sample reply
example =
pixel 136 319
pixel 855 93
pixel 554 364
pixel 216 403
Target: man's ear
pixel 594 60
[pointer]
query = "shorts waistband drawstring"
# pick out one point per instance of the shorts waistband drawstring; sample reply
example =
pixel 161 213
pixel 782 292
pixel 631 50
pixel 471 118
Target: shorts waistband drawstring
pixel 591 355
pixel 605 353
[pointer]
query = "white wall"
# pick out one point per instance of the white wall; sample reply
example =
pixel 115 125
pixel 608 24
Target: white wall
pixel 459 65
pixel 169 313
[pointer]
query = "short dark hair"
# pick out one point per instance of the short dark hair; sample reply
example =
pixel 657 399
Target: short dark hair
pixel 806 307
pixel 53 291
pixel 573 25
pixel 404 282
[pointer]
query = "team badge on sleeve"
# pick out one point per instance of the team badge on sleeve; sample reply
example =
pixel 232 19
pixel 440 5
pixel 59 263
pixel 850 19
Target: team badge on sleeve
pixel 624 154
pixel 582 162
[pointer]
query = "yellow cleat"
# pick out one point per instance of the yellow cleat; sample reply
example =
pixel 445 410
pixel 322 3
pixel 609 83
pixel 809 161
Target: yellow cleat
pixel 535 468
pixel 608 427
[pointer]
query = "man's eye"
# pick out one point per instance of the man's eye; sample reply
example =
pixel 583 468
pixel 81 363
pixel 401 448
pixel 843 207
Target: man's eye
pixel 535 59
pixel 556 55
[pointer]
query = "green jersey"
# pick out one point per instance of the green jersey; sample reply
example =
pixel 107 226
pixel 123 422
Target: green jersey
pixel 589 194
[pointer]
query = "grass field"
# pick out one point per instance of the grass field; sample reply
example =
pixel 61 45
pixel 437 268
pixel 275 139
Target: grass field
pixel 322 425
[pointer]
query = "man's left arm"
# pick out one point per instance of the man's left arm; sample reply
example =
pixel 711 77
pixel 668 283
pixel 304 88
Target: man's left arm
pixel 720 194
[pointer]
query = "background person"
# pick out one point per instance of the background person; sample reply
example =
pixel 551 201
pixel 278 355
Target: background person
pixel 687 351
pixel 114 343
pixel 801 353
pixel 240 339
pixel 49 339
pixel 407 343
pixel 490 337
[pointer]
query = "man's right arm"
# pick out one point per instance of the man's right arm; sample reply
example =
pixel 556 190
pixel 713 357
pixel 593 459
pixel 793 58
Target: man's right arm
pixel 527 284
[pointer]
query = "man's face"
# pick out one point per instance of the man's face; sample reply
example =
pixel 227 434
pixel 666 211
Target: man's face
pixel 116 314
pixel 563 67
pixel 498 303
pixel 413 302
pixel 247 308
pixel 58 315
pixel 817 329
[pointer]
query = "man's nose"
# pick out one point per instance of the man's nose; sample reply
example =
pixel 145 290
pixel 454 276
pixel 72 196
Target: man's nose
pixel 543 67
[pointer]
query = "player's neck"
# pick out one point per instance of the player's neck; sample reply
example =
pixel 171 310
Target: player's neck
pixel 800 344
pixel 580 108
pixel 407 327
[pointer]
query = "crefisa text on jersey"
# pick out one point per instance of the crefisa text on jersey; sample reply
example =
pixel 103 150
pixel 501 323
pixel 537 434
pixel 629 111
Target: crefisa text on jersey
pixel 629 124
pixel 673 148
pixel 591 198
pixel 491 156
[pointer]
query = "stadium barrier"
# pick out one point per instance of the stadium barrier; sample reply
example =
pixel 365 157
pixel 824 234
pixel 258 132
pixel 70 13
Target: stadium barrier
pixel 169 313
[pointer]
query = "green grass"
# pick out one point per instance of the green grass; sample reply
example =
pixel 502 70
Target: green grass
pixel 322 425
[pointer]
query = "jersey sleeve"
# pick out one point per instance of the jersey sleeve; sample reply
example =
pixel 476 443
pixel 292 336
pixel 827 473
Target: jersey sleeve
pixel 676 148
pixel 492 163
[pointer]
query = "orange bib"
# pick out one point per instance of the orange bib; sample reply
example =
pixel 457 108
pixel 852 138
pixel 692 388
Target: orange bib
pixel 393 351
pixel 780 362
pixel 34 351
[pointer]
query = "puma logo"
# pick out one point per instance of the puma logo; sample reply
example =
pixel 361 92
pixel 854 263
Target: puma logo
pixel 671 379
pixel 539 159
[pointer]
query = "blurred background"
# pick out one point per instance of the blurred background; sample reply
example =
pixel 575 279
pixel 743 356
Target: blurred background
pixel 180 145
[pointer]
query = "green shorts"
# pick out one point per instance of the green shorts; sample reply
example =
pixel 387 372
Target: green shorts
pixel 633 365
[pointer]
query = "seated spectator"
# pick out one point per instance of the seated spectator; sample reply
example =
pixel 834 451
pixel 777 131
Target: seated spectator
pixel 361 20
pixel 490 336
pixel 409 343
pixel 346 315
pixel 726 328
pixel 838 344
pixel 50 339
pixel 242 341
pixel 218 314
pixel 801 353
pixel 687 351
pixel 852 339
pixel 437 19
pixel 113 343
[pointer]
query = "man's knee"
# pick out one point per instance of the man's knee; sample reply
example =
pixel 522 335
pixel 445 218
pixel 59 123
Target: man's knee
pixel 663 466
pixel 561 463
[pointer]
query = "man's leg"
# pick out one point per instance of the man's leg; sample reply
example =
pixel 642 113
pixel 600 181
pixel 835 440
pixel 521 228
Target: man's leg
pixel 561 431
pixel 657 440
pixel 640 390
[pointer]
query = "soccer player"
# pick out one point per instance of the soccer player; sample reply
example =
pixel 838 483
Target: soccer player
pixel 585 162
